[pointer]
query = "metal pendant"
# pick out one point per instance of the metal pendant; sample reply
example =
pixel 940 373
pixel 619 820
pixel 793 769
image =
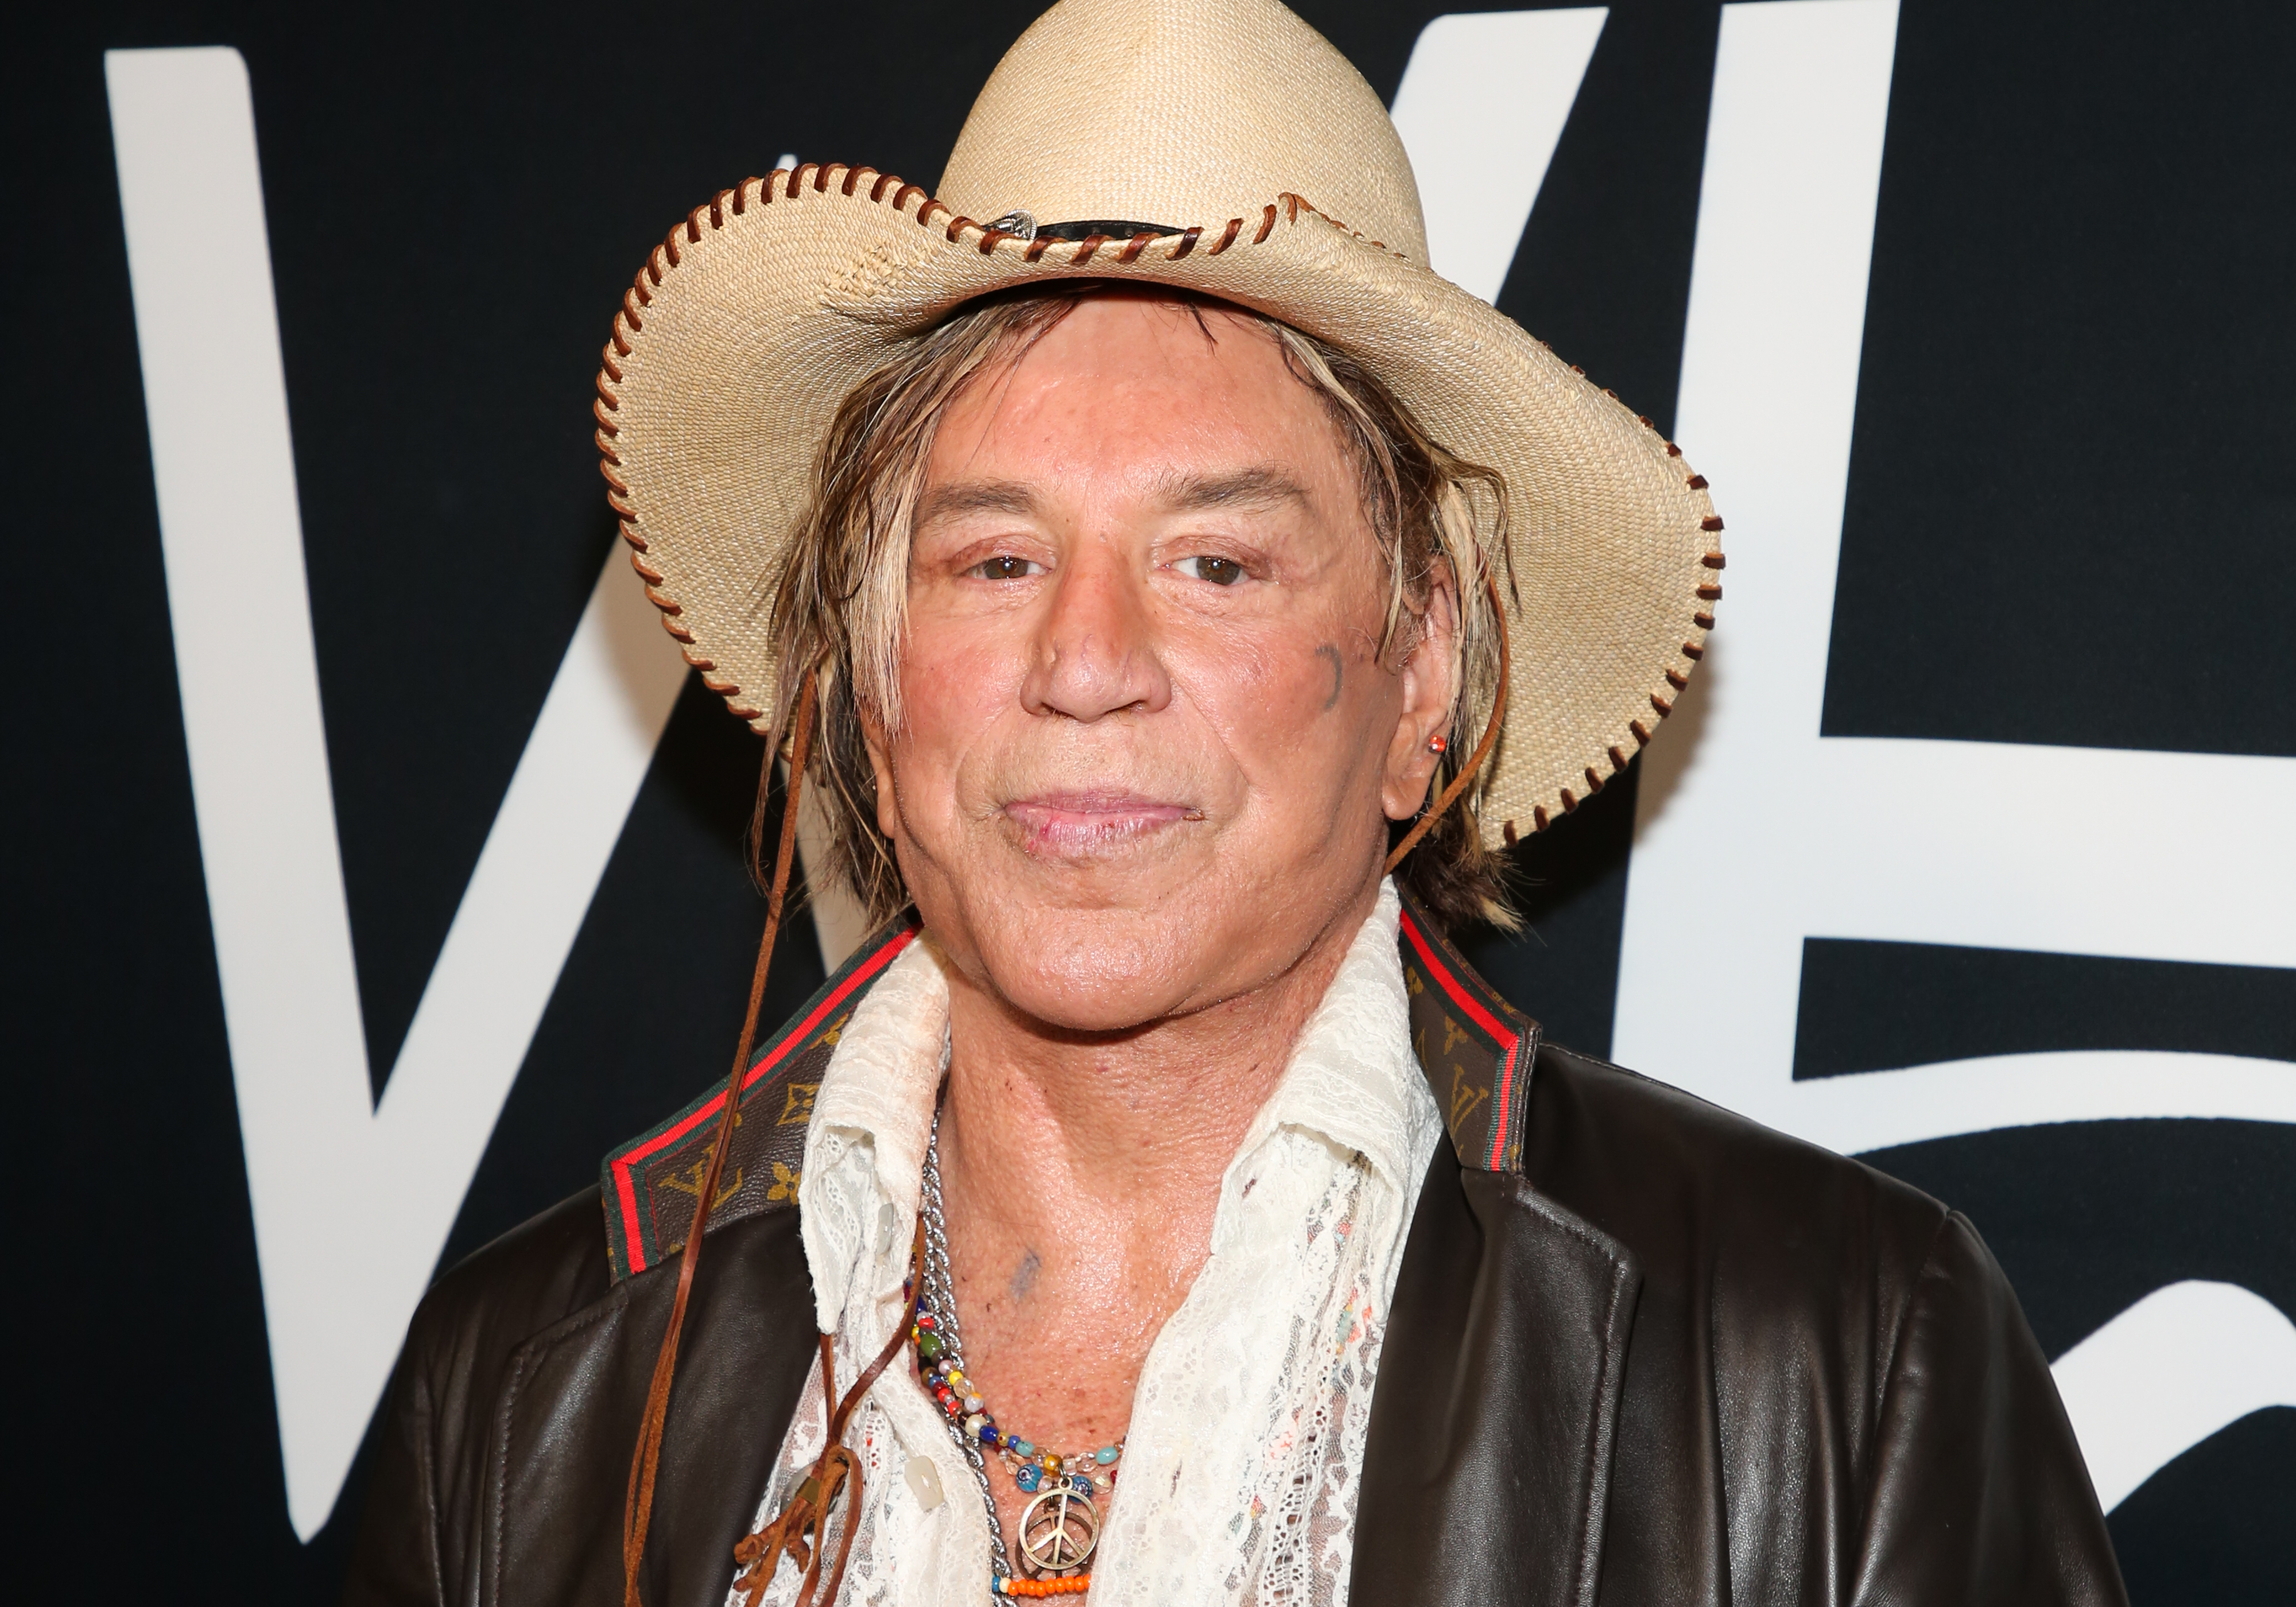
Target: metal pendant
pixel 1059 1531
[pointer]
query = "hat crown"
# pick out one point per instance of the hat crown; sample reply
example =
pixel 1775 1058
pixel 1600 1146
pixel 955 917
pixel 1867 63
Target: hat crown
pixel 1184 113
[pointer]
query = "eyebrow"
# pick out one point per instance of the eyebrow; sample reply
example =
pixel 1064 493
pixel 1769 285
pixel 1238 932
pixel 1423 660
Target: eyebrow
pixel 975 496
pixel 1260 487
pixel 1263 487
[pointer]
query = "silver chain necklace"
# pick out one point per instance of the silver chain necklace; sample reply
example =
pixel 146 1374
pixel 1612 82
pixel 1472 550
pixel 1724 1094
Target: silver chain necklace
pixel 940 1294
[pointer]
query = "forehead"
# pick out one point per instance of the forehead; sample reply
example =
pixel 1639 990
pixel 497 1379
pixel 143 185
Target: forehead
pixel 1125 390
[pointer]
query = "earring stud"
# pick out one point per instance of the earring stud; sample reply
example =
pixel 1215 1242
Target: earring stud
pixel 1436 744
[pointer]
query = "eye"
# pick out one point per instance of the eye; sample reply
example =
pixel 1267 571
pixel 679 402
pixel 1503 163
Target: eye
pixel 1005 566
pixel 1219 571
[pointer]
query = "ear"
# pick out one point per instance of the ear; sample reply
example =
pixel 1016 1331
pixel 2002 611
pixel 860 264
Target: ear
pixel 873 737
pixel 1431 684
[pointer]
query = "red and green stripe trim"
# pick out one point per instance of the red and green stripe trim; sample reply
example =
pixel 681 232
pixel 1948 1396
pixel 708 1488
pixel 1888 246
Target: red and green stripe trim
pixel 622 1185
pixel 1468 992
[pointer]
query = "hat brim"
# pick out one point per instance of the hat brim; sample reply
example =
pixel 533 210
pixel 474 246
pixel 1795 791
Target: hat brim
pixel 751 322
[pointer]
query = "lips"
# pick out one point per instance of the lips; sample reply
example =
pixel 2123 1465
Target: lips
pixel 1081 824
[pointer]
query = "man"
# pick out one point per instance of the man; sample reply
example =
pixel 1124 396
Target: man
pixel 1162 1208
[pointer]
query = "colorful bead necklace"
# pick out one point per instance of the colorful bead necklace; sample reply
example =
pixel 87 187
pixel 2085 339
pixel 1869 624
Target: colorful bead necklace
pixel 1059 1527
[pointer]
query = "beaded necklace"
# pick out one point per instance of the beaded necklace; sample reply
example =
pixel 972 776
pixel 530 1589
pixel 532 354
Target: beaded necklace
pixel 1059 1527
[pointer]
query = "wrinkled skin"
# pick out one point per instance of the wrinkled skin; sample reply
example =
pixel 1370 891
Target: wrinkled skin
pixel 1134 779
pixel 1140 791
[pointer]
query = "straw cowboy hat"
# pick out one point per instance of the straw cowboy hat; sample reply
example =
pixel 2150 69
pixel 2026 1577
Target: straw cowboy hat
pixel 1219 146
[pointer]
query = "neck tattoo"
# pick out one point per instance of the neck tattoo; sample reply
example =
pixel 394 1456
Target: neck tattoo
pixel 1059 1527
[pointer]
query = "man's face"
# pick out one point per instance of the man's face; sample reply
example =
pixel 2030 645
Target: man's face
pixel 1148 750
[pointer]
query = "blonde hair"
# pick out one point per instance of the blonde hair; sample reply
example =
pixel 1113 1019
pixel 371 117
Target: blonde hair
pixel 840 602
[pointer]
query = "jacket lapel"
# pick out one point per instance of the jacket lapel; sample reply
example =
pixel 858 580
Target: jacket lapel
pixel 1488 1455
pixel 1487 1462
pixel 568 1415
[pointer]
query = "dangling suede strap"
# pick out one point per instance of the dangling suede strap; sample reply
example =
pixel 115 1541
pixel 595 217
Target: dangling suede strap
pixel 799 1528
pixel 645 1460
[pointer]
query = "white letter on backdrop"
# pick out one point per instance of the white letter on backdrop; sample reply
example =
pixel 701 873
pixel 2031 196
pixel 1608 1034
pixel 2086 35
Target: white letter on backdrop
pixel 1481 108
pixel 352 1201
pixel 1753 831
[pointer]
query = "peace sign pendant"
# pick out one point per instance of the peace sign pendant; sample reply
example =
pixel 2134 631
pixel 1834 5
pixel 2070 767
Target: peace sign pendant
pixel 1058 1529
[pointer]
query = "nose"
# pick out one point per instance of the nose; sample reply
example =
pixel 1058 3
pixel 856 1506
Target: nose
pixel 1094 653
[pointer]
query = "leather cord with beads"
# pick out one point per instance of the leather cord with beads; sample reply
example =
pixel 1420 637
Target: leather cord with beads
pixel 797 1530
pixel 638 1507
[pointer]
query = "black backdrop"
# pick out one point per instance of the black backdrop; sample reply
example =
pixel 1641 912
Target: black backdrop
pixel 2072 450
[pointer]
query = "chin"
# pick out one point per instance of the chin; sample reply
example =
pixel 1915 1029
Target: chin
pixel 1138 931
pixel 1104 969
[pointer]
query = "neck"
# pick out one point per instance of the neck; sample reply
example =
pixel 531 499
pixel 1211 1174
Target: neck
pixel 1039 1119
pixel 1081 1174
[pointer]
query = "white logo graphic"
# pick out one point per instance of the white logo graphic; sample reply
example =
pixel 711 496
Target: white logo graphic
pixel 1482 105
pixel 352 1200
pixel 2170 1371
pixel 1753 831
pixel 1741 851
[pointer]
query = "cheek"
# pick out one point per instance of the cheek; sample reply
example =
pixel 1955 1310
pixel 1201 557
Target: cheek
pixel 1271 698
pixel 957 678
pixel 950 671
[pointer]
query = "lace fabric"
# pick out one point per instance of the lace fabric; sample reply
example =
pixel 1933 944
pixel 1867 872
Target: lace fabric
pixel 1245 1448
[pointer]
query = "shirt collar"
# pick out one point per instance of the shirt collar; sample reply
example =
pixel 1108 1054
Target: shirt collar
pixel 1352 1083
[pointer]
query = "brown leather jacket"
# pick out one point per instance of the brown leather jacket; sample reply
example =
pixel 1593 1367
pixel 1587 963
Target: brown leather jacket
pixel 1642 1351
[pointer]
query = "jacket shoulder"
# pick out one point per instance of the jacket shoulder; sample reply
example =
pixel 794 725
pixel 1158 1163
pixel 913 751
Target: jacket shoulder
pixel 414 1539
pixel 652 1183
pixel 1661 1171
pixel 1832 1329
pixel 1714 1204
pixel 543 1270
pixel 1681 1141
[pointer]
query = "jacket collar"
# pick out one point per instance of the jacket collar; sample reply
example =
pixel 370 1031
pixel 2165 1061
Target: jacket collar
pixel 1487 1468
pixel 1474 1048
pixel 650 1184
pixel 1488 1464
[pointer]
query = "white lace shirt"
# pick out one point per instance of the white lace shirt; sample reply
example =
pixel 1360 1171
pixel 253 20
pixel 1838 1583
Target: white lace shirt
pixel 1246 1442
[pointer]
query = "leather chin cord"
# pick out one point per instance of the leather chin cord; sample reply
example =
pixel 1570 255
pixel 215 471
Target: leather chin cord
pixel 637 1508
pixel 797 1529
